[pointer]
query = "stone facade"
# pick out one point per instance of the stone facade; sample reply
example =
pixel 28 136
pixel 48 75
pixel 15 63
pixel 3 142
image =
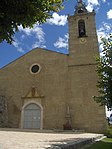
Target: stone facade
pixel 57 92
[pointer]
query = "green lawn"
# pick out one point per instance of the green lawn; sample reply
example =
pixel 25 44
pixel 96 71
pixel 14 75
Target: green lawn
pixel 103 144
pixel 109 132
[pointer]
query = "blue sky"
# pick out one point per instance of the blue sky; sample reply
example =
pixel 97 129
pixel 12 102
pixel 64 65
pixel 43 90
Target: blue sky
pixel 53 35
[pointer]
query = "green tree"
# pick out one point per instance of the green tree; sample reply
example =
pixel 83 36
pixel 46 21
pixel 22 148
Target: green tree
pixel 14 13
pixel 104 71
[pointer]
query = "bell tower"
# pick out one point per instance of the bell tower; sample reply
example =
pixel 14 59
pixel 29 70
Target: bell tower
pixel 83 43
pixel 82 78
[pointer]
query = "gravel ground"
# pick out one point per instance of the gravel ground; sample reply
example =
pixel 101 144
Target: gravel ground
pixel 40 140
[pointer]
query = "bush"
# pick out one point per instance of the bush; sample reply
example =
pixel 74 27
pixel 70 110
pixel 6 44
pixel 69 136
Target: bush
pixel 109 132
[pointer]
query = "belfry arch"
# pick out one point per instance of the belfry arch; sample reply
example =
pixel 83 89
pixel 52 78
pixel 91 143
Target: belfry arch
pixel 81 28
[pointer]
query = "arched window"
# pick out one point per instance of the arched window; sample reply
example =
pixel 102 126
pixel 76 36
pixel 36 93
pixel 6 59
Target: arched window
pixel 81 28
pixel 80 10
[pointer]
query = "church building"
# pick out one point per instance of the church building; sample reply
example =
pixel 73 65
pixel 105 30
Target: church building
pixel 44 89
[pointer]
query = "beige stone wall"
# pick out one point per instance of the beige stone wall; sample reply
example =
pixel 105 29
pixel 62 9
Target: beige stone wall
pixel 82 53
pixel 16 80
pixel 62 81
pixel 86 113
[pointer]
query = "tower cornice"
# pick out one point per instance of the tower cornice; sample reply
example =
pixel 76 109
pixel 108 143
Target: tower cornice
pixel 83 14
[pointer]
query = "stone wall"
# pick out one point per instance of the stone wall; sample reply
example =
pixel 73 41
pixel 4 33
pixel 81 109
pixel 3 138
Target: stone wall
pixel 3 111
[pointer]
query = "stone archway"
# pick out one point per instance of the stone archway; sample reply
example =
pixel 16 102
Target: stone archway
pixel 31 117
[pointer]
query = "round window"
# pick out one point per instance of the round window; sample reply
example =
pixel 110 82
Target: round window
pixel 35 68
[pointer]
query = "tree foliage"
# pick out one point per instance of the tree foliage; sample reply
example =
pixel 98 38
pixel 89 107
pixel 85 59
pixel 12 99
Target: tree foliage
pixel 104 71
pixel 14 13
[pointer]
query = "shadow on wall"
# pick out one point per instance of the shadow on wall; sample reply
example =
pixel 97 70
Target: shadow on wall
pixel 3 111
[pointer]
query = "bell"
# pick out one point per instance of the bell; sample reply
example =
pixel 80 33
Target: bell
pixel 82 31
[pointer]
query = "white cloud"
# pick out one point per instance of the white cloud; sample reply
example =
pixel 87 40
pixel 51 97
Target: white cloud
pixel 22 37
pixel 109 14
pixel 36 32
pixel 20 50
pixel 17 45
pixel 89 8
pixel 91 4
pixel 62 42
pixel 27 31
pixel 104 1
pixel 56 19
pixel 38 44
pixel 104 30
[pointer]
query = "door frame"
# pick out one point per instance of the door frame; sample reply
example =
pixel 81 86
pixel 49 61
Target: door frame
pixel 41 113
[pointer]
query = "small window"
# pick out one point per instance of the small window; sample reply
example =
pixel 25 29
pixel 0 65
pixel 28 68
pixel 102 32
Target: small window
pixel 80 10
pixel 35 68
pixel 81 28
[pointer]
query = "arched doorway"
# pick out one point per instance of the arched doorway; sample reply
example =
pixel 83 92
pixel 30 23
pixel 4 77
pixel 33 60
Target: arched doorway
pixel 32 116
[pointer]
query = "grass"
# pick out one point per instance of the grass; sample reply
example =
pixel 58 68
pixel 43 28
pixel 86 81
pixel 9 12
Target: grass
pixel 109 132
pixel 103 144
